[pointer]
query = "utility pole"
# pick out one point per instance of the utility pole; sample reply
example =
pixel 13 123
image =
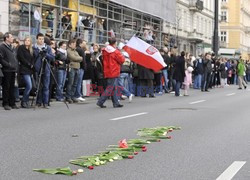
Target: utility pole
pixel 216 28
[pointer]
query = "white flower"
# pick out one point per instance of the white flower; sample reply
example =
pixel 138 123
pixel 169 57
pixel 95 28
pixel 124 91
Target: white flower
pixel 80 170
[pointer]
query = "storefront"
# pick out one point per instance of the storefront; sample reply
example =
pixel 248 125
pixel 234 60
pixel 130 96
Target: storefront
pixel 94 20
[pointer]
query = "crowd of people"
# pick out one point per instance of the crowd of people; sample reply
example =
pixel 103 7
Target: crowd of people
pixel 71 71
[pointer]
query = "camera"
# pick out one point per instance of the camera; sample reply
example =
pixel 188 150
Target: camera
pixel 43 51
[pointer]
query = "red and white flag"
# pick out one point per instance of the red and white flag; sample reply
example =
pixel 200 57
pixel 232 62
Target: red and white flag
pixel 144 54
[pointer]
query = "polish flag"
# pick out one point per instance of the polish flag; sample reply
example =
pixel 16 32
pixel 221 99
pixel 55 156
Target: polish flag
pixel 144 54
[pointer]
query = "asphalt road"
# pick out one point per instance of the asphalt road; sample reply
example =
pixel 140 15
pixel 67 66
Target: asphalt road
pixel 215 134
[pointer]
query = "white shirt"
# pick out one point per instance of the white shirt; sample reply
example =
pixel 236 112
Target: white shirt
pixel 37 16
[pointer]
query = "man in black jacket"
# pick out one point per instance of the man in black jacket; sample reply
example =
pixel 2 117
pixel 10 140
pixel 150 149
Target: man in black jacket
pixel 207 66
pixel 10 65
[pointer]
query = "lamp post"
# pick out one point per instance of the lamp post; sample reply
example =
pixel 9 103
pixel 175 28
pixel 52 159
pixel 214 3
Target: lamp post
pixel 216 28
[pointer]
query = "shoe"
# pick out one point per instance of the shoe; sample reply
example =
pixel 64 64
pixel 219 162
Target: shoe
pixel 101 105
pixel 38 105
pixel 118 106
pixel 46 106
pixel 207 91
pixel 69 100
pixel 239 88
pixel 81 99
pixel 159 93
pixel 143 96
pixel 25 105
pixel 202 90
pixel 7 108
pixel 75 100
pixel 151 96
pixel 245 87
pixel 14 107
pixel 167 91
pixel 186 94
pixel 130 98
pixel 17 100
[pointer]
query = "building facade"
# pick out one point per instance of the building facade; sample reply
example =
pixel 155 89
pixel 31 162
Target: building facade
pixel 235 28
pixel 4 16
pixel 94 20
pixel 194 25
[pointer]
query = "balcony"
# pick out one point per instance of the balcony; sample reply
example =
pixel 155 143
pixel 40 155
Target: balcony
pixel 195 37
pixel 196 5
pixel 224 5
pixel 223 44
pixel 247 29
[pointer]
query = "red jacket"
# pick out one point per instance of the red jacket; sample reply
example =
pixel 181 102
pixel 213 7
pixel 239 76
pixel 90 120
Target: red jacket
pixel 112 61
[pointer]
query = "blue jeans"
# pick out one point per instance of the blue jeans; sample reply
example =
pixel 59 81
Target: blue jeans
pixel 121 84
pixel 37 27
pixel 61 77
pixel 100 37
pixel 111 90
pixel 72 83
pixel 78 92
pixel 28 87
pixel 158 87
pixel 43 95
pixel 165 75
pixel 197 81
pixel 177 88
pixel 90 36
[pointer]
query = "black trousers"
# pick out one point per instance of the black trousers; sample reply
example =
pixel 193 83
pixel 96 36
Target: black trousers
pixel 8 89
pixel 147 87
pixel 205 81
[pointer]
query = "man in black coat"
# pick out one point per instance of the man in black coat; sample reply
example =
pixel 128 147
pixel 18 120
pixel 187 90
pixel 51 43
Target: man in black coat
pixel 10 66
pixel 207 65
pixel 179 73
pixel 146 77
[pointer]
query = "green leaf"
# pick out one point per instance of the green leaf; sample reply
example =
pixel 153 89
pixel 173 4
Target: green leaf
pixel 65 171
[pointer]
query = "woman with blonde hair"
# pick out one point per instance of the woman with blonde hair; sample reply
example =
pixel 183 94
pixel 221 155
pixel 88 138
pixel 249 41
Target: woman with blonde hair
pixel 26 60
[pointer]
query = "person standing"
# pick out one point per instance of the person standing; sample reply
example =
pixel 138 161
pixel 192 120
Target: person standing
pixel 112 61
pixel 38 20
pixel 80 48
pixel 10 67
pixel 223 72
pixel 61 66
pixel 179 73
pixel 73 74
pixel 43 56
pixel 26 60
pixel 241 69
pixel 207 65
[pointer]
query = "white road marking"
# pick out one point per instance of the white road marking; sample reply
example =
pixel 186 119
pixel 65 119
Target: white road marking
pixel 232 94
pixel 196 102
pixel 129 116
pixel 231 171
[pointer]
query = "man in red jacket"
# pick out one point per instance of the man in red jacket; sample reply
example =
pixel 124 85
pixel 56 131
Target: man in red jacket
pixel 112 61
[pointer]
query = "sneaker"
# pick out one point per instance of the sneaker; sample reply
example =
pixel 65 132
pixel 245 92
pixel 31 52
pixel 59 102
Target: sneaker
pixel 81 99
pixel 245 87
pixel 46 106
pixel 130 98
pixel 25 105
pixel 7 108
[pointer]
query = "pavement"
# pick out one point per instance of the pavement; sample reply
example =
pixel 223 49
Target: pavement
pixel 214 142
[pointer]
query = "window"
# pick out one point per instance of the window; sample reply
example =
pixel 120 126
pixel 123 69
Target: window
pixel 223 36
pixel 224 16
